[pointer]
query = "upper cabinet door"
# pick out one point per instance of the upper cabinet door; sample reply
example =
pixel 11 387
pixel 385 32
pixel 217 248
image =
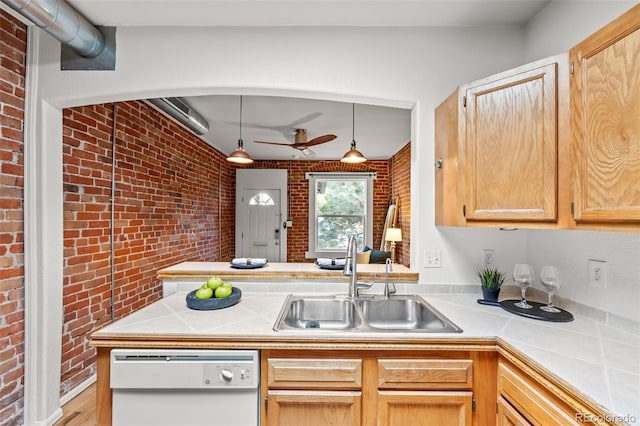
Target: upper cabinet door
pixel 510 153
pixel 605 122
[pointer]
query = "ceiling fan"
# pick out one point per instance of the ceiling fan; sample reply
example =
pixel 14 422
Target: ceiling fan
pixel 302 144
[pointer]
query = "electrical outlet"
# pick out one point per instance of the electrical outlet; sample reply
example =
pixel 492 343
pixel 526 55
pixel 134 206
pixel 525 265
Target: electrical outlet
pixel 433 258
pixel 597 273
pixel 488 258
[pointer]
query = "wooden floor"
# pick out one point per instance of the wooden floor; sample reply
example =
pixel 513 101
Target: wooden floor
pixel 81 410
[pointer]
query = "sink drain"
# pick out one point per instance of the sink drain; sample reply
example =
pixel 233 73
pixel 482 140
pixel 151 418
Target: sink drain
pixel 312 324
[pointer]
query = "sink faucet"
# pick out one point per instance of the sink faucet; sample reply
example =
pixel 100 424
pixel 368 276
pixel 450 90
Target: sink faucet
pixel 351 267
pixel 388 267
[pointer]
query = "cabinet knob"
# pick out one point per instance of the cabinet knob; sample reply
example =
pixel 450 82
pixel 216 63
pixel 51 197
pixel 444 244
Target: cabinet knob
pixel 439 163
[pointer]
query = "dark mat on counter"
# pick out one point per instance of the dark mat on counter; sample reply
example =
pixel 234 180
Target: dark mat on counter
pixel 536 312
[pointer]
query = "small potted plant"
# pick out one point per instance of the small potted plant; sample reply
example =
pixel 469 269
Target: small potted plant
pixel 491 280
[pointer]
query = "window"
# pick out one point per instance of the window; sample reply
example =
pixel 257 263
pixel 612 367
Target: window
pixel 340 204
pixel 261 199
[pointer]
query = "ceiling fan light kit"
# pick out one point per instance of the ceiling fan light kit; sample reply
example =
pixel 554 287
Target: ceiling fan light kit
pixel 353 155
pixel 240 156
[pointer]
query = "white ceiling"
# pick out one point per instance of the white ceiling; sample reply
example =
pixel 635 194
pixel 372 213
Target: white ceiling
pixel 309 12
pixel 379 131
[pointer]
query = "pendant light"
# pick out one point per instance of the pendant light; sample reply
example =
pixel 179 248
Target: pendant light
pixel 240 156
pixel 353 155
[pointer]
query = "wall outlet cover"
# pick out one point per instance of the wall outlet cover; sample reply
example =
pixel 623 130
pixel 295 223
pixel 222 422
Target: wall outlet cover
pixel 597 273
pixel 433 258
pixel 488 258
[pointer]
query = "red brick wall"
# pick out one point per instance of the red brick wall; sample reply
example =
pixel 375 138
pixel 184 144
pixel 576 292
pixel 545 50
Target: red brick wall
pixel 401 176
pixel 13 45
pixel 299 197
pixel 169 189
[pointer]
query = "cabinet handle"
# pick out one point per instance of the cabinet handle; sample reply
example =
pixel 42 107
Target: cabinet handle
pixel 439 163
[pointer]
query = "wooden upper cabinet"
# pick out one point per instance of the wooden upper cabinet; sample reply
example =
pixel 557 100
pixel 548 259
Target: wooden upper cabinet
pixel 509 157
pixel 605 122
pixel 502 149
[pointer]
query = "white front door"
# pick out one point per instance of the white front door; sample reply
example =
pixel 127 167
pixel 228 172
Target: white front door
pixel 261 200
pixel 261 224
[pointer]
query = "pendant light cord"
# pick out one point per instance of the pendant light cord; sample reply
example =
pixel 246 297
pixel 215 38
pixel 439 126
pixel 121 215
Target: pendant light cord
pixel 353 124
pixel 240 140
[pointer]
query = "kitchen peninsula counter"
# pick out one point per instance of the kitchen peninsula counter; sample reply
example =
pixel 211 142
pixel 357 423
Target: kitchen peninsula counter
pixel 279 271
pixel 596 363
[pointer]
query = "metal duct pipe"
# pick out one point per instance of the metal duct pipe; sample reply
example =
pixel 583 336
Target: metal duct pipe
pixel 182 113
pixel 63 22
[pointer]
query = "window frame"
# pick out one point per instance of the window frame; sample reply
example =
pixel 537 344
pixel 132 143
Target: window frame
pixel 368 177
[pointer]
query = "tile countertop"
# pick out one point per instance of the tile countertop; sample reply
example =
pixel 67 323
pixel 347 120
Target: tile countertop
pixel 599 361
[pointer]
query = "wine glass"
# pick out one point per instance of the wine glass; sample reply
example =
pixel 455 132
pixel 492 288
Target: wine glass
pixel 523 277
pixel 550 278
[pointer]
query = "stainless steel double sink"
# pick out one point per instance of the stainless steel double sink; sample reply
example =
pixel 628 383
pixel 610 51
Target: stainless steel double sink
pixel 370 313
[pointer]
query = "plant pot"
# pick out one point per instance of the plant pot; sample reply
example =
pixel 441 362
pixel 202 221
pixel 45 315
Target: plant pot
pixel 490 294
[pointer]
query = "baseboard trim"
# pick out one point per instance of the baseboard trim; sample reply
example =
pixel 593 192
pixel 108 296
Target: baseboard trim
pixel 77 390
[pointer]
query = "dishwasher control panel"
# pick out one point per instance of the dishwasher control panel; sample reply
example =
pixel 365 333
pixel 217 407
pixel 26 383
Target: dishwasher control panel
pixel 184 369
pixel 228 374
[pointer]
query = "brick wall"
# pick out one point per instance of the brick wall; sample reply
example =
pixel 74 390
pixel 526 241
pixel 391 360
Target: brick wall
pixel 299 197
pixel 169 189
pixel 401 176
pixel 13 42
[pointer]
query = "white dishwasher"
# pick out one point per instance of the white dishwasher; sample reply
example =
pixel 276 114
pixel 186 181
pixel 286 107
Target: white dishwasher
pixel 183 387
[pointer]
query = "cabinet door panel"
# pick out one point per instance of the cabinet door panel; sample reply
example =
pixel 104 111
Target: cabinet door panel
pixel 605 107
pixel 418 408
pixel 531 400
pixel 510 155
pixel 509 416
pixel 313 408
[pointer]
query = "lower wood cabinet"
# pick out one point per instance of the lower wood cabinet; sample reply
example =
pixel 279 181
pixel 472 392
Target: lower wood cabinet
pixel 508 415
pixel 527 397
pixel 396 408
pixel 376 388
pixel 418 403
pixel 313 408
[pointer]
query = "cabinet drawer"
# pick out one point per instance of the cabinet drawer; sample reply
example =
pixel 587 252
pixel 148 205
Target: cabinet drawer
pixel 314 373
pixel 425 373
pixel 534 402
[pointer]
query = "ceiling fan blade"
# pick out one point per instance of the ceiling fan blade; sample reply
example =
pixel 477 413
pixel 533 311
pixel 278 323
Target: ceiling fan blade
pixel 319 140
pixel 276 143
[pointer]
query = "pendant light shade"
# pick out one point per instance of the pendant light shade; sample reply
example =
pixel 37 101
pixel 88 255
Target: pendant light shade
pixel 240 156
pixel 353 155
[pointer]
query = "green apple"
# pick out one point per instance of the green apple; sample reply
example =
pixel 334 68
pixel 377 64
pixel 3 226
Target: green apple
pixel 224 291
pixel 204 293
pixel 214 282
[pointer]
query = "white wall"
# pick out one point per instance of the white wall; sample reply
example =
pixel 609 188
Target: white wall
pixel 571 250
pixel 563 24
pixel 556 29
